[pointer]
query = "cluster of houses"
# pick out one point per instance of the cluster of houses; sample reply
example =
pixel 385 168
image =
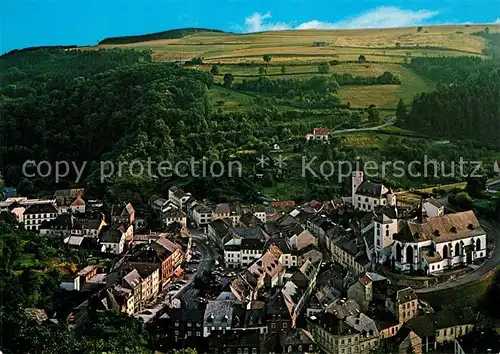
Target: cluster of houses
pixel 299 278
pixel 181 207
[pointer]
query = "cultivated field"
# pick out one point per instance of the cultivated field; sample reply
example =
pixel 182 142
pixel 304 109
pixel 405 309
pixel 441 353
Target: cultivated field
pixel 384 49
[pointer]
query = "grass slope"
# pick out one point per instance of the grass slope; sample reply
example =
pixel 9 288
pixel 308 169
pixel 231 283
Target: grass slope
pixel 170 34
pixel 385 49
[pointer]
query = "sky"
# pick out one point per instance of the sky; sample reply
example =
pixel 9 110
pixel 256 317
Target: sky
pixel 26 23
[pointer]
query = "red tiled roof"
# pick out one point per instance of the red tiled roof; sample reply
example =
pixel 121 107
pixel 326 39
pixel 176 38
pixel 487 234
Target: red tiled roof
pixel 169 245
pixel 365 280
pixel 314 203
pixel 320 131
pixel 282 204
pixel 78 202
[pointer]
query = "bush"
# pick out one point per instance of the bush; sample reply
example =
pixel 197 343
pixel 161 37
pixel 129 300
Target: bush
pixel 324 68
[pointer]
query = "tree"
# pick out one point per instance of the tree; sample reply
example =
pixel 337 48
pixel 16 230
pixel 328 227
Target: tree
pixel 262 70
pixel 186 351
pixel 283 68
pixel 228 79
pixel 361 59
pixel 267 58
pixel 215 69
pixel 419 29
pixel 324 68
pixel 197 61
pixel 401 110
pixel 475 186
pixel 486 30
pixel 464 201
pixel 398 45
pixel 373 114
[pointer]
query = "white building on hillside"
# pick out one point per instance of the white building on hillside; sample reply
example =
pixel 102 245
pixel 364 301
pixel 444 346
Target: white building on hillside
pixel 367 196
pixel 439 243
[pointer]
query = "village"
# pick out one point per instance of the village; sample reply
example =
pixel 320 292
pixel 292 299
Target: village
pixel 339 276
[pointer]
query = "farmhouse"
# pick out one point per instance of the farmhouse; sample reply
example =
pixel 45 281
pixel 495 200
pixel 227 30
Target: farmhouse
pixel 318 134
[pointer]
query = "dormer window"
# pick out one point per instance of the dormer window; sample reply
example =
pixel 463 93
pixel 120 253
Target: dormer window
pixel 436 233
pixel 453 229
pixel 470 226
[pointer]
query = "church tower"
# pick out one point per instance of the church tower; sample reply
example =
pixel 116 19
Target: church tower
pixel 357 179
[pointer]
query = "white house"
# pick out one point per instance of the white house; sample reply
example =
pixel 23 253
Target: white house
pixel 244 247
pixel 113 240
pixel 171 215
pixel 178 196
pixel 367 196
pixel 202 215
pixel 36 213
pixel 496 167
pixel 439 243
pixel 318 134
pixel 434 207
pixel 71 283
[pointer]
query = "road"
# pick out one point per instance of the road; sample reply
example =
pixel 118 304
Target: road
pixel 360 130
pixel 493 262
pixel 493 186
pixel 205 263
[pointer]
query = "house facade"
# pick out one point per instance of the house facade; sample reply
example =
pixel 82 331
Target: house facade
pixel 366 196
pixel 35 214
pixel 113 239
pixel 320 134
pixel 202 215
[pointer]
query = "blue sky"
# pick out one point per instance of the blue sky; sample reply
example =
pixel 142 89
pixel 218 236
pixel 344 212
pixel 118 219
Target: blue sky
pixel 27 23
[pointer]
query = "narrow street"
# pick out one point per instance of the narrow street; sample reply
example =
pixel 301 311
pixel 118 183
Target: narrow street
pixel 165 299
pixel 206 262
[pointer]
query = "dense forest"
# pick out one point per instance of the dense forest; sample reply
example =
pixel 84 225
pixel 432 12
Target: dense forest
pixel 466 105
pixel 170 34
pixel 118 105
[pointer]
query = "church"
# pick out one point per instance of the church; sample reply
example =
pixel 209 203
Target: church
pixel 431 244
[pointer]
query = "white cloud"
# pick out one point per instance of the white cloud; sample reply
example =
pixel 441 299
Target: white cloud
pixel 257 23
pixel 497 21
pixel 381 17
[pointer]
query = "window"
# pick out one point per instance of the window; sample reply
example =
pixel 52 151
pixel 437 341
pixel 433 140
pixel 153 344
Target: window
pixel 289 348
pixel 299 348
pixel 245 351
pixel 254 350
pixel 273 325
pixel 176 333
pixel 176 324
pixel 198 334
pixel 285 325
pixel 189 333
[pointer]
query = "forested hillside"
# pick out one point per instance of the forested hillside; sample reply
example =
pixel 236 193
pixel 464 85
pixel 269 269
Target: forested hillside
pixel 80 106
pixel 466 103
